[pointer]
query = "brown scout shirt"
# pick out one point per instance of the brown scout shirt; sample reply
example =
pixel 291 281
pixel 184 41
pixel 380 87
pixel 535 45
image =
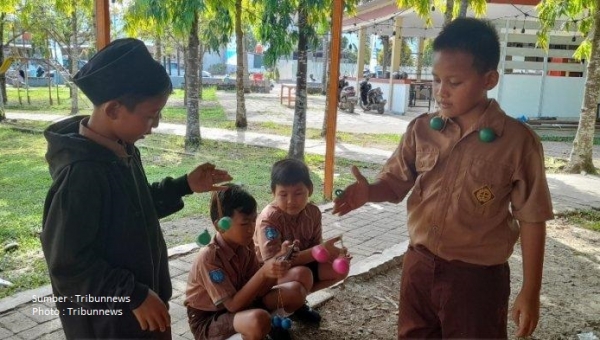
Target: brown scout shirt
pixel 219 271
pixel 468 194
pixel 274 226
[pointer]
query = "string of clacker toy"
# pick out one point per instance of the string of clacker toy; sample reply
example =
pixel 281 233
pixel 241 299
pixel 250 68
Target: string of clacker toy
pixel 223 224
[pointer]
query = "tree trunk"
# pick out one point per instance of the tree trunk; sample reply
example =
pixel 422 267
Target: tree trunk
pixel 185 71
pixel 449 11
pixel 299 128
pixel 192 131
pixel 74 57
pixel 385 42
pixel 3 76
pixel 581 154
pixel 464 6
pixel 240 116
pixel 200 68
pixel 158 49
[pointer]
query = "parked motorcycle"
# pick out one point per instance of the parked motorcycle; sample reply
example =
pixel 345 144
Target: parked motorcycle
pixel 346 96
pixel 371 98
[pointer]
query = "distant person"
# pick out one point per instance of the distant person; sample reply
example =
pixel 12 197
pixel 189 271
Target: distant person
pixel 312 78
pixel 478 183
pixel 228 291
pixel 22 74
pixel 101 235
pixel 39 72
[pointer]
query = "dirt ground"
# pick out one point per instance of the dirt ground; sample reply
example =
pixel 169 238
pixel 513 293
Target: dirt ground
pixel 368 308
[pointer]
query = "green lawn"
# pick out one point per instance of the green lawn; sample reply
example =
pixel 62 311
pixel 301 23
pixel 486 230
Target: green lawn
pixel 25 180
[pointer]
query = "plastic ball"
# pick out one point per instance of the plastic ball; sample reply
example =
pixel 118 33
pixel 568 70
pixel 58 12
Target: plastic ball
pixel 339 192
pixel 204 238
pixel 341 265
pixel 276 321
pixel 224 223
pixel 286 323
pixel 487 135
pixel 320 253
pixel 436 123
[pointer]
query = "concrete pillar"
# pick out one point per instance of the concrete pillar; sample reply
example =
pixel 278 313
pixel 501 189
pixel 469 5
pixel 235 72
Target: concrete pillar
pixel 421 47
pixel 395 65
pixel 360 58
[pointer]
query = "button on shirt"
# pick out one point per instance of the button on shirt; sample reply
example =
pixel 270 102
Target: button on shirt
pixel 218 273
pixel 468 194
pixel 273 227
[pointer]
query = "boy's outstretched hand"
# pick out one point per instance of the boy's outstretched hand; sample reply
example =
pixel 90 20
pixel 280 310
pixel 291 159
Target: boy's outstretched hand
pixel 206 177
pixel 355 195
pixel 153 314
pixel 526 313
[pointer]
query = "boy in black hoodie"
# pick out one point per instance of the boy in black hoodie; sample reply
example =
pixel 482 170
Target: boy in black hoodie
pixel 101 235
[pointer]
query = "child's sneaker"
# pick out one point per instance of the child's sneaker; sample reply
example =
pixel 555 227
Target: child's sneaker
pixel 278 333
pixel 307 315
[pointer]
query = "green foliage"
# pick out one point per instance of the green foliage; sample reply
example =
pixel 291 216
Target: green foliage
pixel 578 13
pixel 220 68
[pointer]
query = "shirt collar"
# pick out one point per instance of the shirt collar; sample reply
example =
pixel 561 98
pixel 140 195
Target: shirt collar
pixel 493 117
pixel 226 252
pixel 118 148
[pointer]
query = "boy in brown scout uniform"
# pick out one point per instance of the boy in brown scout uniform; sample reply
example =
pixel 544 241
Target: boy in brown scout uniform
pixel 101 236
pixel 292 217
pixel 478 182
pixel 228 291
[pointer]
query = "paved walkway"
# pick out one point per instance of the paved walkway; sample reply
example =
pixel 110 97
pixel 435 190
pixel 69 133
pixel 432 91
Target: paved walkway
pixel 375 234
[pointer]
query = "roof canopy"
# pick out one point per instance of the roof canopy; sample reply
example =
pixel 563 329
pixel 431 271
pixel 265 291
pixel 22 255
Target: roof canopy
pixel 378 17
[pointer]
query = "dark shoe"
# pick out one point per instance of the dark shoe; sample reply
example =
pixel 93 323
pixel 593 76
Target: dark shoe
pixel 278 333
pixel 307 315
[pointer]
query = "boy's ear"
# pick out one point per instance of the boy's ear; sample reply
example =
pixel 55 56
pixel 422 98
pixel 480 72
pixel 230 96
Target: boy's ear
pixel 111 109
pixel 491 79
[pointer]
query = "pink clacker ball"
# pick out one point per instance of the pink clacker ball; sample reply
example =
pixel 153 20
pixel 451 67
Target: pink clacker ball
pixel 341 265
pixel 320 253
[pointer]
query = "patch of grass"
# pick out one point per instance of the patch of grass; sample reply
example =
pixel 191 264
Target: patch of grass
pixel 589 219
pixel 24 182
pixel 547 138
pixel 38 99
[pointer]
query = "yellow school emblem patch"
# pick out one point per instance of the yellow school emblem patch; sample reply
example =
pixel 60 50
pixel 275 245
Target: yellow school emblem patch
pixel 483 195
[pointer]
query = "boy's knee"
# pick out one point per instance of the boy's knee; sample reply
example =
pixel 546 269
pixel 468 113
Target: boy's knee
pixel 262 319
pixel 301 274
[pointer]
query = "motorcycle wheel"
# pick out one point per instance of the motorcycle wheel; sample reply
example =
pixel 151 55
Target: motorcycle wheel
pixel 380 110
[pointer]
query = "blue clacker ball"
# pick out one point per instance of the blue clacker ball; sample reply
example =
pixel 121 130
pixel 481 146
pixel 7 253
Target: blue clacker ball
pixel 436 123
pixel 286 323
pixel 276 321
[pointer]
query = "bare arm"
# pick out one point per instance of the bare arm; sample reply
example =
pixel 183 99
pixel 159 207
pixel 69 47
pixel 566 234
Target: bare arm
pixel 526 308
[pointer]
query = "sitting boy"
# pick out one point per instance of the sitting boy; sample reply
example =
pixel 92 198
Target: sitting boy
pixel 228 290
pixel 291 217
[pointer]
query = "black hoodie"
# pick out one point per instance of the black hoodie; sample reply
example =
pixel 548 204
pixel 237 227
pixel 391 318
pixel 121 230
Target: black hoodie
pixel 101 234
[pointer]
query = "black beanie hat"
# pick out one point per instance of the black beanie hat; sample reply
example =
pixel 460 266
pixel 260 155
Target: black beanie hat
pixel 122 67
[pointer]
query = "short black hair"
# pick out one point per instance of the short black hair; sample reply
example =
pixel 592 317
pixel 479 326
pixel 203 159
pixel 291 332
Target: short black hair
pixel 234 198
pixel 130 100
pixel 478 37
pixel 290 171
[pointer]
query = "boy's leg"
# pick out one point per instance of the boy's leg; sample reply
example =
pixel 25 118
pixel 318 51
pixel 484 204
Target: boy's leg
pixel 475 300
pixel 252 323
pixel 210 325
pixel 417 317
pixel 326 276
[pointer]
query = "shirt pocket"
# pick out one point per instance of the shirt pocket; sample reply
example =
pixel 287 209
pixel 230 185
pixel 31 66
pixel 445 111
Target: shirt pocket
pixel 425 161
pixel 486 188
